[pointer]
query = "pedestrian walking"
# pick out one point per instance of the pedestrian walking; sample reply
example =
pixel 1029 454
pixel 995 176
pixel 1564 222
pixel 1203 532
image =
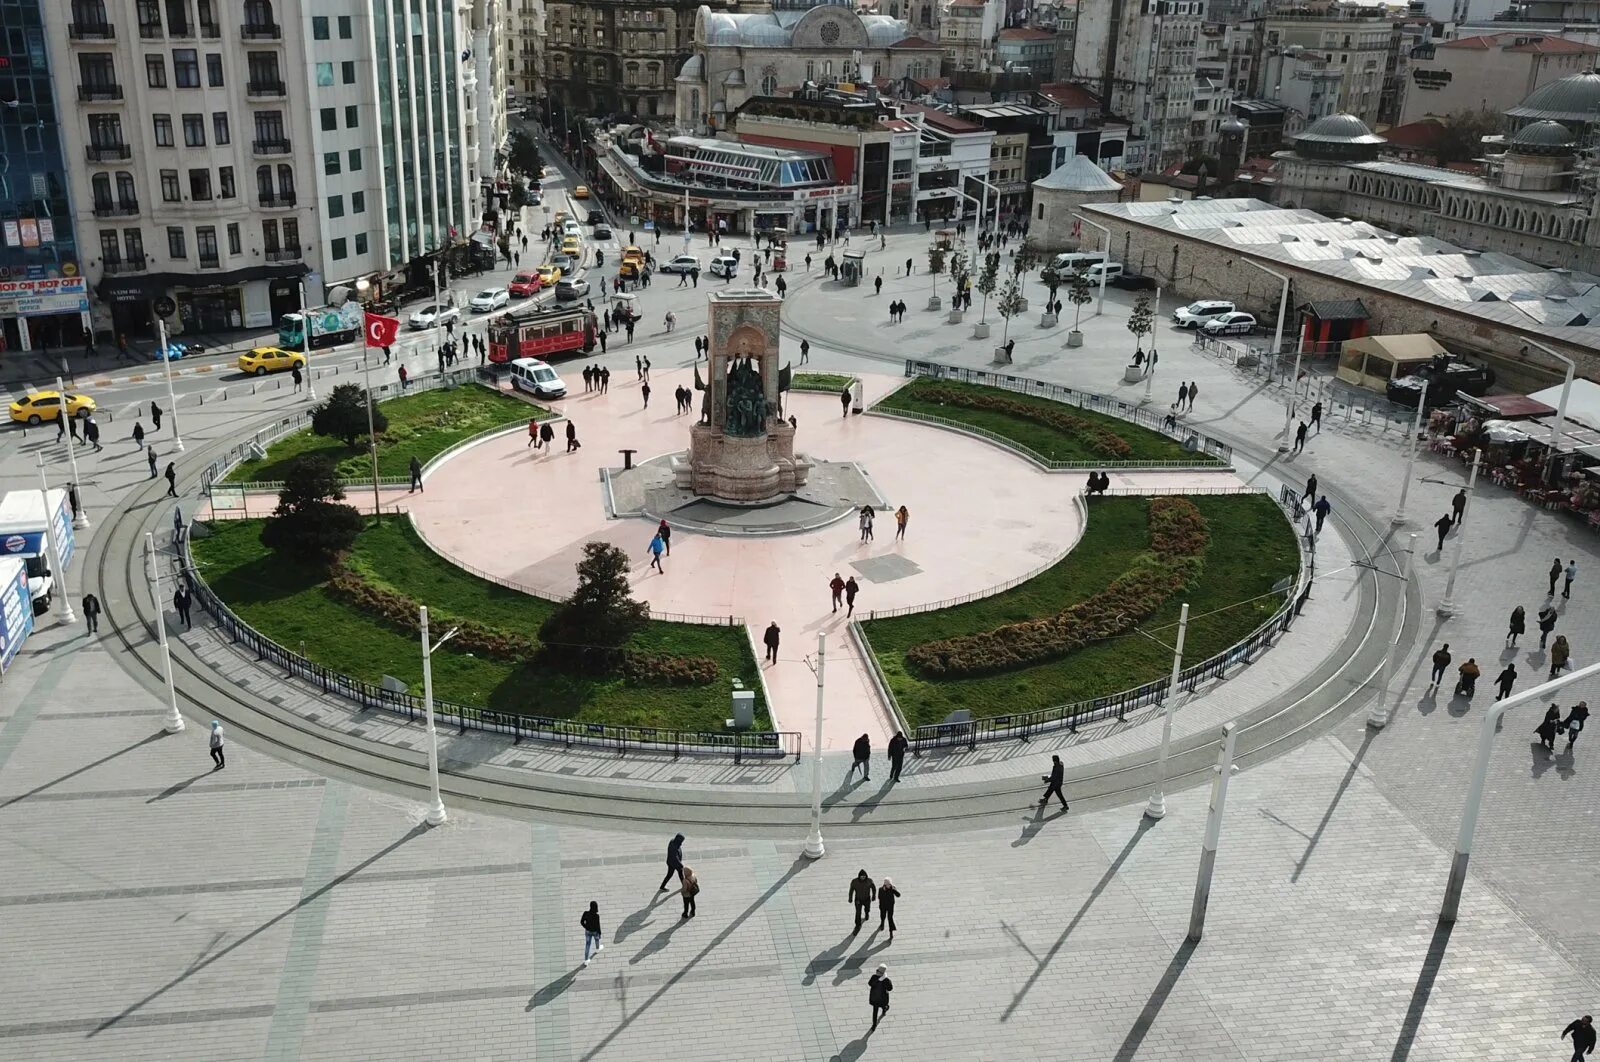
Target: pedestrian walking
pixel 887 895
pixel 1555 573
pixel 865 520
pixel 181 601
pixel 1583 1037
pixel 877 285
pixel 416 475
pixel 897 754
pixel 91 431
pixel 1194 387
pixel 836 587
pixel 1548 729
pixel 172 480
pixel 388 352
pixel 590 921
pixel 1467 683
pixel 150 456
pixel 533 433
pixel 879 986
pixel 405 378
pixel 91 612
pixel 138 434
pixel 1547 623
pixel 547 435
pixel 1300 437
pixel 638 367
pixel 1053 780
pixel 844 400
pixel 1311 489
pixel 805 351
pixel 1443 526
pixel 908 267
pixel 770 640
pixel 1559 653
pixel 862 751
pixel 1316 416
pixel 294 374
pixel 902 516
pixel 690 889
pixel 862 893
pixel 674 861
pixel 644 389
pixel 1183 395
pixel 1571 573
pixel 155 416
pixel 851 588
pixel 1441 660
pixel 1505 680
pixel 657 547
pixel 218 757
pixel 572 436
pixel 1573 724
pixel 1322 509
pixel 664 529
pixel 1519 624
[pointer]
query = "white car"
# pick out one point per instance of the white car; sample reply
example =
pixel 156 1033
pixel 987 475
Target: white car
pixel 683 263
pixel 724 266
pixel 537 378
pixel 490 299
pixel 1230 324
pixel 1198 313
pixel 431 316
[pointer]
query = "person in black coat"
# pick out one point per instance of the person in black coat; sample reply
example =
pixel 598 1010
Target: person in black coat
pixel 862 751
pixel 1505 680
pixel 770 640
pixel 897 754
pixel 1573 724
pixel 887 895
pixel 91 612
pixel 1582 1033
pixel 862 893
pixel 1547 729
pixel 590 921
pixel 182 600
pixel 674 861
pixel 1054 779
pixel 879 986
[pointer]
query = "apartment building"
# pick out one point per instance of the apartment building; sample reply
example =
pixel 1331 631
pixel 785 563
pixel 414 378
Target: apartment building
pixel 618 56
pixel 1346 50
pixel 525 22
pixel 221 155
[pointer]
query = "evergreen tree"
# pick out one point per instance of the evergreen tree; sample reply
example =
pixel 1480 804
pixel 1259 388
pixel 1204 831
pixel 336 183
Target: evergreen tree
pixel 587 632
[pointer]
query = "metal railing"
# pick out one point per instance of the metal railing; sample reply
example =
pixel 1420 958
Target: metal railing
pixel 1196 442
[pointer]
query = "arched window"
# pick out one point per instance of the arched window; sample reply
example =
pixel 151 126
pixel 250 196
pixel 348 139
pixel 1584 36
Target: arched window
pixel 652 73
pixel 257 12
pixel 695 117
pixel 286 181
pixel 100 184
pixel 630 73
pixel 264 181
pixel 769 85
pixel 126 193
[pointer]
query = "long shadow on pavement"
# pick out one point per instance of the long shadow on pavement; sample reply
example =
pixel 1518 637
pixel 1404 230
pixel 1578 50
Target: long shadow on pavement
pixel 36 790
pixel 1158 999
pixel 1333 805
pixel 1031 828
pixel 1419 995
pixel 1094 894
pixel 854 1049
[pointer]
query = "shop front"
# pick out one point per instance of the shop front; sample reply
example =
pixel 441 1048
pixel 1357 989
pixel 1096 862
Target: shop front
pixel 253 297
pixel 216 308
pixel 43 313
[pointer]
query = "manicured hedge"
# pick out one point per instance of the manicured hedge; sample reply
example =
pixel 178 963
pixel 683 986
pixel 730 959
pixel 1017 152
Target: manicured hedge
pixel 1096 438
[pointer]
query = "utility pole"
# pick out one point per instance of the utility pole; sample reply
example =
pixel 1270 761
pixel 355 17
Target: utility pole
pixel 814 848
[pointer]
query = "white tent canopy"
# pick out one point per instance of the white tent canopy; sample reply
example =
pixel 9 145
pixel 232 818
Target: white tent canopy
pixel 1583 406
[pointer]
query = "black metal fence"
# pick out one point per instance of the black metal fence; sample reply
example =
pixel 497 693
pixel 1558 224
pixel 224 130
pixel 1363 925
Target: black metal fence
pixel 1195 442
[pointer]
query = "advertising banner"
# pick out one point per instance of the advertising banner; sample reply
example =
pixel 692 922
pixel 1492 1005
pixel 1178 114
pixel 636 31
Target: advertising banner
pixel 29 298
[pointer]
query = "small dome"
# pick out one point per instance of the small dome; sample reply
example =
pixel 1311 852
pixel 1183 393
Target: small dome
pixel 1338 129
pixel 1572 99
pixel 1543 138
pixel 1233 126
pixel 693 70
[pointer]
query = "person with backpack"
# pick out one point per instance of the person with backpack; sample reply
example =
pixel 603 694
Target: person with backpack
pixel 691 889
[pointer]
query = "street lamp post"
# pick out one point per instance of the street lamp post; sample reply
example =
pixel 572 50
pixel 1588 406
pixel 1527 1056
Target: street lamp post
pixel 813 848
pixel 1208 848
pixel 1105 257
pixel 1399 516
pixel 1480 772
pixel 172 401
pixel 305 344
pixel 1378 716
pixel 51 539
pixel 80 512
pixel 1157 805
pixel 1155 322
pixel 1447 607
pixel 174 720
pixel 436 812
pixel 1277 348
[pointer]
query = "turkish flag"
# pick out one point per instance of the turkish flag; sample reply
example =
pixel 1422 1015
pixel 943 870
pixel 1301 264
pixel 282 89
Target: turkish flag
pixel 381 331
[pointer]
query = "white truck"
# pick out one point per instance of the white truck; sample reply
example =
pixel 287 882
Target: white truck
pixel 16 608
pixel 25 517
pixel 330 326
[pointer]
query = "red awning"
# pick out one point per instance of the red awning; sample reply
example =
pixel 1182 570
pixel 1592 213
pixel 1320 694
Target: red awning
pixel 1509 407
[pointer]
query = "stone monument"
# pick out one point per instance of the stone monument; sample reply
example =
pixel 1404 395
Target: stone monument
pixel 742 450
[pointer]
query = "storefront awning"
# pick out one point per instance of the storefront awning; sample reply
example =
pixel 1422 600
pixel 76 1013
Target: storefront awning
pixel 1506 407
pixel 149 285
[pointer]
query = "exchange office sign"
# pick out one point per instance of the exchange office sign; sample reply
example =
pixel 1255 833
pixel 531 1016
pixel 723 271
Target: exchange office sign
pixel 30 298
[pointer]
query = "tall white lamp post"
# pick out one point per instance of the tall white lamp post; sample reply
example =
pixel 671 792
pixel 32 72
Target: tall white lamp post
pixel 1157 805
pixel 1447 607
pixel 174 721
pixel 80 513
pixel 305 343
pixel 1105 257
pixel 813 848
pixel 1399 516
pixel 1277 349
pixel 1208 848
pixel 436 813
pixel 52 539
pixel 172 401
pixel 1566 392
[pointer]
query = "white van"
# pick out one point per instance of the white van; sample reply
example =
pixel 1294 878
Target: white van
pixel 1071 263
pixel 1109 270
pixel 537 378
pixel 723 266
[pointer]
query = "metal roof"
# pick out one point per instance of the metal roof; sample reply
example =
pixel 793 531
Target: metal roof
pixel 1338 310
pixel 1571 99
pixel 1338 129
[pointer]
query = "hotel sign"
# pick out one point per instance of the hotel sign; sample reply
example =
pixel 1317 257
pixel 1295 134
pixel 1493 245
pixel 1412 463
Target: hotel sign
pixel 1432 80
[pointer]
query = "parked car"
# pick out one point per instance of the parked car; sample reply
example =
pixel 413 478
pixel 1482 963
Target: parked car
pixel 595 217
pixel 537 378
pixel 581 192
pixel 262 360
pixel 1109 270
pixel 1064 264
pixel 683 263
pixel 1198 313
pixel 526 283
pixel 1230 324
pixel 40 406
pixel 565 263
pixel 602 232
pixel 1133 281
pixel 433 315
pixel 569 288
pixel 725 266
pixel 490 299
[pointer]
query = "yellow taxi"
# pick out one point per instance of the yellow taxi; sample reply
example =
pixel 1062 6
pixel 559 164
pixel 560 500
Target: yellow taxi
pixel 263 360
pixel 633 254
pixel 581 192
pixel 570 246
pixel 548 275
pixel 40 406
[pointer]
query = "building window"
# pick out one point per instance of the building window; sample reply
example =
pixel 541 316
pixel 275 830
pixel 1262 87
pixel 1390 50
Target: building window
pixel 600 72
pixel 339 250
pixel 205 244
pixel 155 71
pixel 214 70
pixel 161 126
pixel 100 189
pixel 346 30
pixel 186 68
pixel 330 119
pixel 330 163
pixel 225 189
pixel 169 187
pixel 811 70
pixel 336 206
pixel 324 75
pixel 178 18
pixel 175 244
pixel 149 15
pixel 219 128
pixel 291 234
pixel 355 160
pixel 361 243
pixel 194 130
pixel 358 202
pixel 233 239
pixel 125 190
pixel 769 86
pixel 264 181
pixel 286 180
pixel 110 248
pixel 352 116
pixel 133 240
pixel 269 235
pixel 200 185
pixel 347 72
pixel 319 27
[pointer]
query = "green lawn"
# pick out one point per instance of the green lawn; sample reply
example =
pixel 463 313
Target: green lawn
pixel 1041 438
pixel 1251 547
pixel 292 606
pixel 821 381
pixel 421 425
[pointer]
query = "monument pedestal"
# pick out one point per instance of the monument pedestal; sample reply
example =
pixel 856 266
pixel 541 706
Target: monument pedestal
pixel 741 470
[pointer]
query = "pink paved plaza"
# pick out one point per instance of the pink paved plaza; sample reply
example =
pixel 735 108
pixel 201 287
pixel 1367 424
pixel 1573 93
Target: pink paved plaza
pixel 980 516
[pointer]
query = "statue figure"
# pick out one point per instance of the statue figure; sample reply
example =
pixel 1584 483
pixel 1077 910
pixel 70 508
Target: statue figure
pixel 746 402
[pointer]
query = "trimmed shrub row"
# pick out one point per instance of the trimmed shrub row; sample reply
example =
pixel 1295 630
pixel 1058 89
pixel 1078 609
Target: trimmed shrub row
pixel 1100 440
pixel 1178 536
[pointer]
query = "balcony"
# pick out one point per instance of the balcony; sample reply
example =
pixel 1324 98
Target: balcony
pixel 108 152
pixel 210 263
pixel 278 202
pixel 150 31
pixel 126 208
pixel 124 265
pixel 284 254
pixel 269 147
pixel 99 93
pixel 260 31
pixel 265 89
pixel 91 31
pixel 211 31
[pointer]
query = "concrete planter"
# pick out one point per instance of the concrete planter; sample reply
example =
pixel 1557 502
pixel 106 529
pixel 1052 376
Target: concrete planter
pixel 980 330
pixel 1024 307
pixel 1132 374
pixel 1074 338
pixel 934 303
pixel 1000 357
pixel 1047 320
pixel 955 316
